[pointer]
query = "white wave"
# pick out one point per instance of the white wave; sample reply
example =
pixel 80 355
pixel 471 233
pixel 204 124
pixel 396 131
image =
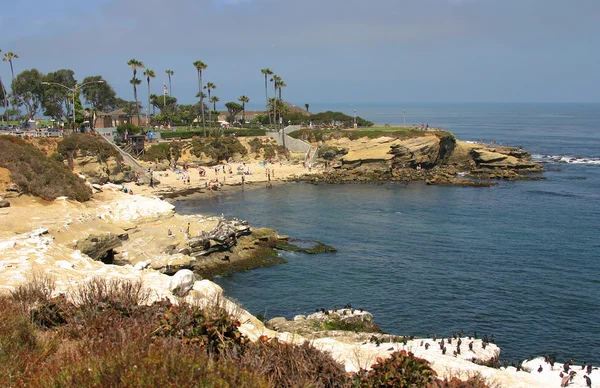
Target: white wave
pixel 566 159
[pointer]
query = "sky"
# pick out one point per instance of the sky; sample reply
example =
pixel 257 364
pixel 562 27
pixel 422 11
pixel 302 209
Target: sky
pixel 326 51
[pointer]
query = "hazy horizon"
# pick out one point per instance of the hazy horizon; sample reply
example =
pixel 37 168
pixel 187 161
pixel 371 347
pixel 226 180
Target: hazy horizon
pixel 383 51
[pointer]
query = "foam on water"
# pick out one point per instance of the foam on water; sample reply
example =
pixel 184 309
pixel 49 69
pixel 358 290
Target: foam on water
pixel 566 159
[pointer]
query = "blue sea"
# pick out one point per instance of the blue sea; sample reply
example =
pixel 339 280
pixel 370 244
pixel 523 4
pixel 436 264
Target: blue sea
pixel 520 261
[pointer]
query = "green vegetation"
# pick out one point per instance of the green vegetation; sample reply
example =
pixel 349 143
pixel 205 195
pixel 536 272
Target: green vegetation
pixel 187 134
pixel 269 149
pixel 129 128
pixel 218 149
pixel 314 248
pixel 86 144
pixel 162 151
pixel 39 175
pixel 372 133
pixel 329 117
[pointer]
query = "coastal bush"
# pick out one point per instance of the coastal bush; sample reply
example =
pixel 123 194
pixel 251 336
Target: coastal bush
pixel 157 153
pixel 87 144
pixel 401 369
pixel 285 365
pixel 39 175
pixel 218 149
pixel 269 149
pixel 476 381
pixel 210 327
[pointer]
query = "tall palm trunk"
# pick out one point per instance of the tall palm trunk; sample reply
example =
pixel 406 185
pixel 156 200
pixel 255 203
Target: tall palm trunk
pixel 5 99
pixel 201 102
pixel 148 115
pixel 275 105
pixel 267 95
pixel 202 105
pixel 136 104
pixel 12 72
pixel 170 89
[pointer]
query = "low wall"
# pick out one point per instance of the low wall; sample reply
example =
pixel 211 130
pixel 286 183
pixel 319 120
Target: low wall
pixel 294 145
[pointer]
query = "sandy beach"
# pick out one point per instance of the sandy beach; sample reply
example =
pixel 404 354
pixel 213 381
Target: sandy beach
pixel 172 181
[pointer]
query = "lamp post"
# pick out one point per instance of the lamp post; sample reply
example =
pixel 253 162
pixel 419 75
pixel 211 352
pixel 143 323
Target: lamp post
pixel 74 91
pixel 405 117
pixel 354 118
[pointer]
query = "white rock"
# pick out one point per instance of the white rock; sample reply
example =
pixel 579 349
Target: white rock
pixel 182 282
pixel 142 265
pixel 64 264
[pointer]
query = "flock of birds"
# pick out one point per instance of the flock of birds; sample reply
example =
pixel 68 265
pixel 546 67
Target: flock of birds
pixel 567 373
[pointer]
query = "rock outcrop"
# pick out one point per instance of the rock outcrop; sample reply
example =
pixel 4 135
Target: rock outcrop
pixel 328 323
pixel 433 157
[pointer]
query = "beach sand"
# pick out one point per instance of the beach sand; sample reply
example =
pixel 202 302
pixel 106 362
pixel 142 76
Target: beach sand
pixel 172 182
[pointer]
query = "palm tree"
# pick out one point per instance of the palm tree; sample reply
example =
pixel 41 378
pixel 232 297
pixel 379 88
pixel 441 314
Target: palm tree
pixel 208 87
pixel 199 65
pixel 149 74
pixel 214 100
pixel 170 73
pixel 307 106
pixel 135 64
pixel 276 79
pixel 267 72
pixel 243 100
pixel 9 57
pixel 4 96
pixel 281 85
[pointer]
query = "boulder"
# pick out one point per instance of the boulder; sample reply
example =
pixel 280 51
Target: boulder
pixel 182 282
pixel 4 203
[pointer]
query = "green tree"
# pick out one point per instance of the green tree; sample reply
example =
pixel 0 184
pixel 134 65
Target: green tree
pixel 27 88
pixel 267 72
pixel 56 100
pixel 200 66
pixel 243 100
pixel 166 104
pixel 170 73
pixel 233 108
pixel 135 65
pixel 100 95
pixel 149 74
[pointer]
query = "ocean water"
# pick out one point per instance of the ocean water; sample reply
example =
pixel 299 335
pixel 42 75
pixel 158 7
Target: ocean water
pixel 519 261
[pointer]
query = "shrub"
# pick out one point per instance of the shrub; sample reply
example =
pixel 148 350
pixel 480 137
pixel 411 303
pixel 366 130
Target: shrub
pixel 218 148
pixel 211 327
pixel 402 369
pixel 285 365
pixel 476 381
pixel 39 175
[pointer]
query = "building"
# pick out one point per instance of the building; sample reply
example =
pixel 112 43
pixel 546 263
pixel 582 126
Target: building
pixel 117 117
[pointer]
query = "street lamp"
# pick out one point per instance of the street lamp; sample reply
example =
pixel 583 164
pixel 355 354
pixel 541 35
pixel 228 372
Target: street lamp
pixel 354 118
pixel 74 91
